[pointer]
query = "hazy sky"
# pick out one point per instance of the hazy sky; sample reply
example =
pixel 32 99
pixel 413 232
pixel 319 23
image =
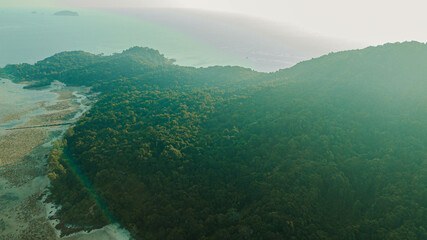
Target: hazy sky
pixel 370 21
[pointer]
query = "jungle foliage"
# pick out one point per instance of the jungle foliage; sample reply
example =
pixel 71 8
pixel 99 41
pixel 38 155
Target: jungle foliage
pixel 332 148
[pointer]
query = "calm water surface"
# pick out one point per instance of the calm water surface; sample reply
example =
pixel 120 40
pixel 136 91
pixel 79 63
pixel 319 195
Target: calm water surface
pixel 18 104
pixel 29 35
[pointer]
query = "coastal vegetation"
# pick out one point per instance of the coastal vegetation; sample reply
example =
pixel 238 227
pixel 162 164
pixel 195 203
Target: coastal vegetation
pixel 332 148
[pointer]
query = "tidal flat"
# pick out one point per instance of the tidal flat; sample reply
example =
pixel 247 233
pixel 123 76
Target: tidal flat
pixel 24 147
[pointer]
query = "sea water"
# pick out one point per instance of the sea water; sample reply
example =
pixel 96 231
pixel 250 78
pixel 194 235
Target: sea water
pixel 29 35
pixel 18 104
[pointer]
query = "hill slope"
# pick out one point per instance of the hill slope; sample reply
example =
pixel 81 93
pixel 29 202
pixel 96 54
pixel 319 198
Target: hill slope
pixel 333 148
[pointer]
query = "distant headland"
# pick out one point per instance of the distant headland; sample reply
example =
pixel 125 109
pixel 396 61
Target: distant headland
pixel 66 13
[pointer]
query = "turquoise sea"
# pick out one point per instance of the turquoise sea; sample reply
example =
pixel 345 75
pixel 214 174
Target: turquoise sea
pixel 29 35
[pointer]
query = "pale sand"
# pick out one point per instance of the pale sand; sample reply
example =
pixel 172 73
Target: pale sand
pixel 16 144
pixel 22 170
pixel 62 95
pixel 16 115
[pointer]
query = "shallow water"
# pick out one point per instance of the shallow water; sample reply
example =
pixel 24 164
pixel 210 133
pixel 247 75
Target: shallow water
pixel 14 98
pixel 23 180
pixel 22 161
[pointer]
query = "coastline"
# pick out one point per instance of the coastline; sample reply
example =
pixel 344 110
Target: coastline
pixel 24 213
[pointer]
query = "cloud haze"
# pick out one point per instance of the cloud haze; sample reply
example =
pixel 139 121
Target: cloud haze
pixel 370 21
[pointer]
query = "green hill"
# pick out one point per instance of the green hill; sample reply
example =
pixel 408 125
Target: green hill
pixel 332 148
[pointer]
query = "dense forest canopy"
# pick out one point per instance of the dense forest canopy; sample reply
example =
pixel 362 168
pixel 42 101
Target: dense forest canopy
pixel 332 148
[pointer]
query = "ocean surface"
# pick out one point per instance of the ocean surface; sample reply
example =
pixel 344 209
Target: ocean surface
pixel 192 37
pixel 29 35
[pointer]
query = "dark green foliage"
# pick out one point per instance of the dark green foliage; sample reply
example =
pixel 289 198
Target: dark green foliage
pixel 48 69
pixel 81 68
pixel 78 207
pixel 333 148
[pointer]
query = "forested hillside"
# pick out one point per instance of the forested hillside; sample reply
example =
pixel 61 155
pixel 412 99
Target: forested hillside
pixel 332 148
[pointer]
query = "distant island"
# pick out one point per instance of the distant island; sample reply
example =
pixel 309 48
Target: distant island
pixel 66 13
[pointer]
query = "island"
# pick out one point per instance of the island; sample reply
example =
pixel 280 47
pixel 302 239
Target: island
pixel 66 13
pixel 331 148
